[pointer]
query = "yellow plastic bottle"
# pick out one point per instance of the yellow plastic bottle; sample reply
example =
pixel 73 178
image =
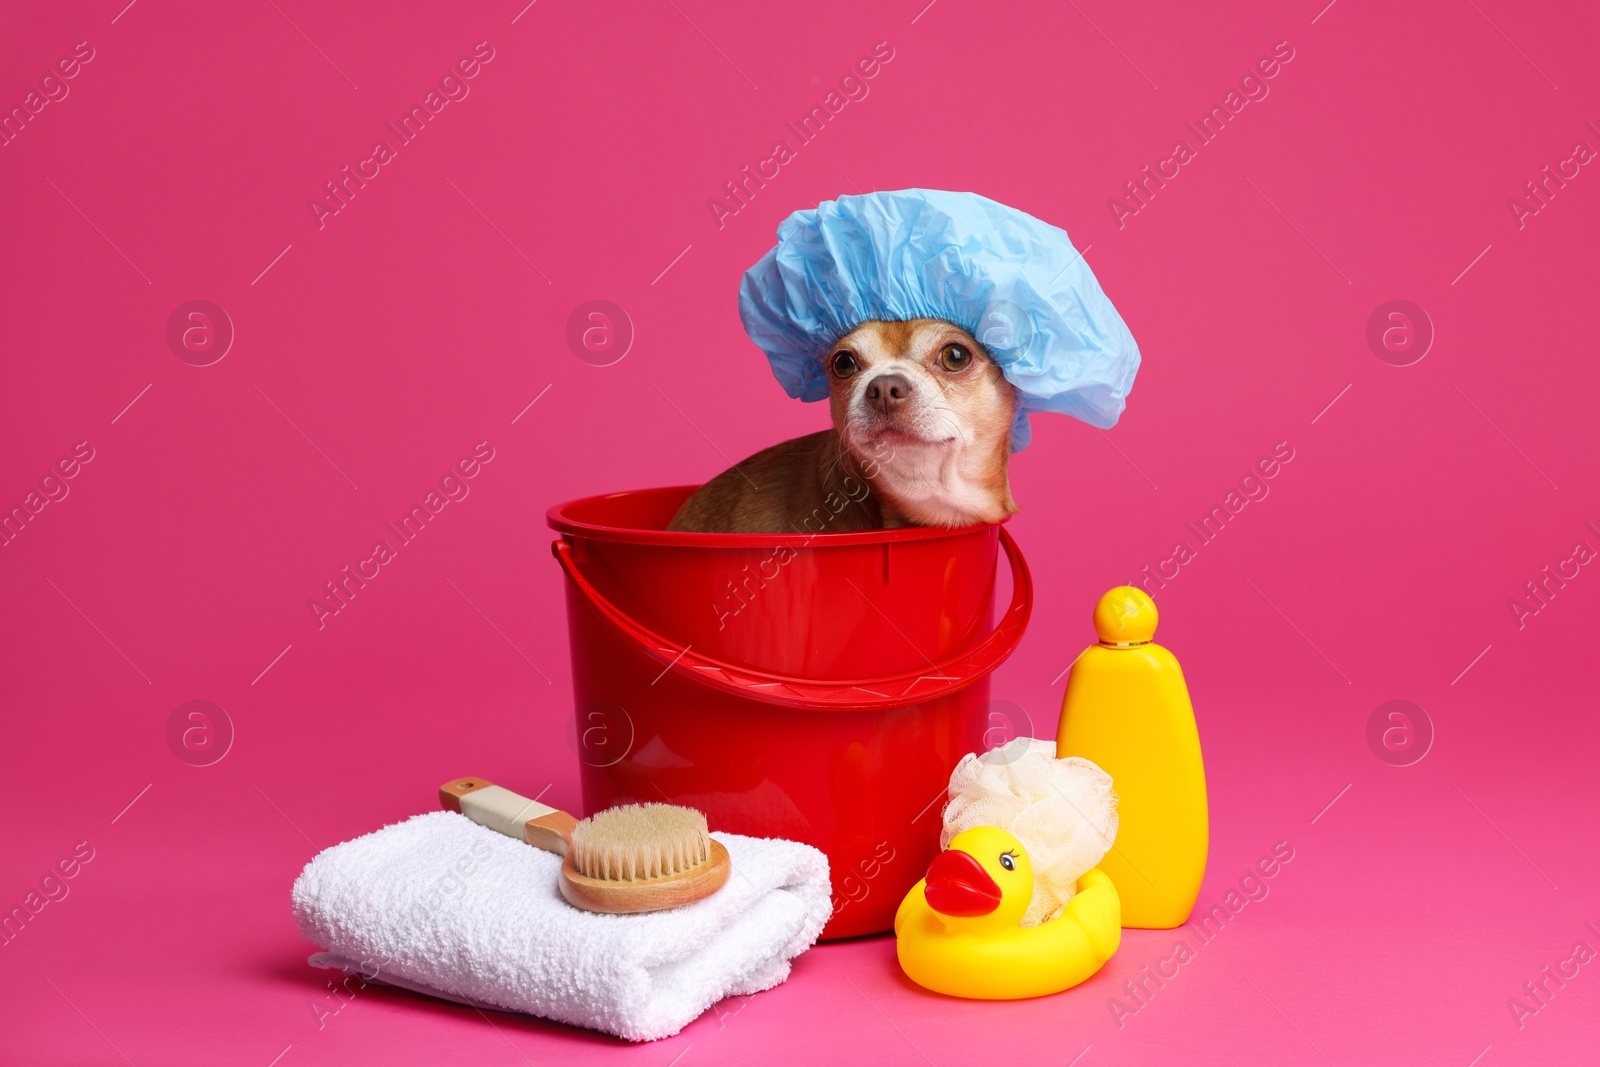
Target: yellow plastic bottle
pixel 1127 709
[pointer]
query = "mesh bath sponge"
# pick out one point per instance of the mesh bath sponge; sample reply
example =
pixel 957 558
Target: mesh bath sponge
pixel 1064 812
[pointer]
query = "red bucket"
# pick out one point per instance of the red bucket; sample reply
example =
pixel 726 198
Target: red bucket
pixel 814 687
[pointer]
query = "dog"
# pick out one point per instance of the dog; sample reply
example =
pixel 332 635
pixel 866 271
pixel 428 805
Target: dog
pixel 921 437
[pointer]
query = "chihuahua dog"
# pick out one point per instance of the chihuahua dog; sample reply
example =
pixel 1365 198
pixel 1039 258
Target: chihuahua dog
pixel 921 436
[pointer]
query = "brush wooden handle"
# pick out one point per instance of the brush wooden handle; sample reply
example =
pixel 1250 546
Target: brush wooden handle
pixel 509 813
pixel 550 829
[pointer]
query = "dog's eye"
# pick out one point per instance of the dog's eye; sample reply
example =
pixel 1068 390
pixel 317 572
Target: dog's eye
pixel 954 358
pixel 844 363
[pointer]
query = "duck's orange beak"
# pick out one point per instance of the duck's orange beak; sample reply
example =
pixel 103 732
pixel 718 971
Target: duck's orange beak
pixel 958 885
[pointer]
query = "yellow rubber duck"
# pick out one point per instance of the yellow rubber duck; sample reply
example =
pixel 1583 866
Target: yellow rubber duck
pixel 956 932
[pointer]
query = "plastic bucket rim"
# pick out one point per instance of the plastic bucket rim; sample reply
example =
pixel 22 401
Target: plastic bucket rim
pixel 557 519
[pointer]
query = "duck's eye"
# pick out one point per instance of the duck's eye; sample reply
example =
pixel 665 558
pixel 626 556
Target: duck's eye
pixel 844 363
pixel 954 357
pixel 1007 862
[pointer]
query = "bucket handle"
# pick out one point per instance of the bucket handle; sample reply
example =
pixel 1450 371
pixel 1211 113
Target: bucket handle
pixel 866 694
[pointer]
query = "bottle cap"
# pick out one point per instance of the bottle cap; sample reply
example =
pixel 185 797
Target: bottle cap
pixel 1125 616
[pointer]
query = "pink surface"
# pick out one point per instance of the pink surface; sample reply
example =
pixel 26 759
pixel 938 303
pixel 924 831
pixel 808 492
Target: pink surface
pixel 370 354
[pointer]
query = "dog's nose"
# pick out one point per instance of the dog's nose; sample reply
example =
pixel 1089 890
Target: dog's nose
pixel 888 391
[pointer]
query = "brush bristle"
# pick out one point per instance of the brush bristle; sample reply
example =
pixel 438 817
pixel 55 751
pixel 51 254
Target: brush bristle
pixel 637 841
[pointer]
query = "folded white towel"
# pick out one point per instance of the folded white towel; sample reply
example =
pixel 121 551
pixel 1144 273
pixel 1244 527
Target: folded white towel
pixel 441 905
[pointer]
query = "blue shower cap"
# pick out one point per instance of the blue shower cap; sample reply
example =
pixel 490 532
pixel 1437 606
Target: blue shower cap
pixel 1013 282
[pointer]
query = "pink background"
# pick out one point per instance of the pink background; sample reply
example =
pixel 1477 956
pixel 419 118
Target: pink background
pixel 375 351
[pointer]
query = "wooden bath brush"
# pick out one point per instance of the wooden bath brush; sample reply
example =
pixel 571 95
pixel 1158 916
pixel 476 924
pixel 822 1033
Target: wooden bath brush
pixel 621 861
